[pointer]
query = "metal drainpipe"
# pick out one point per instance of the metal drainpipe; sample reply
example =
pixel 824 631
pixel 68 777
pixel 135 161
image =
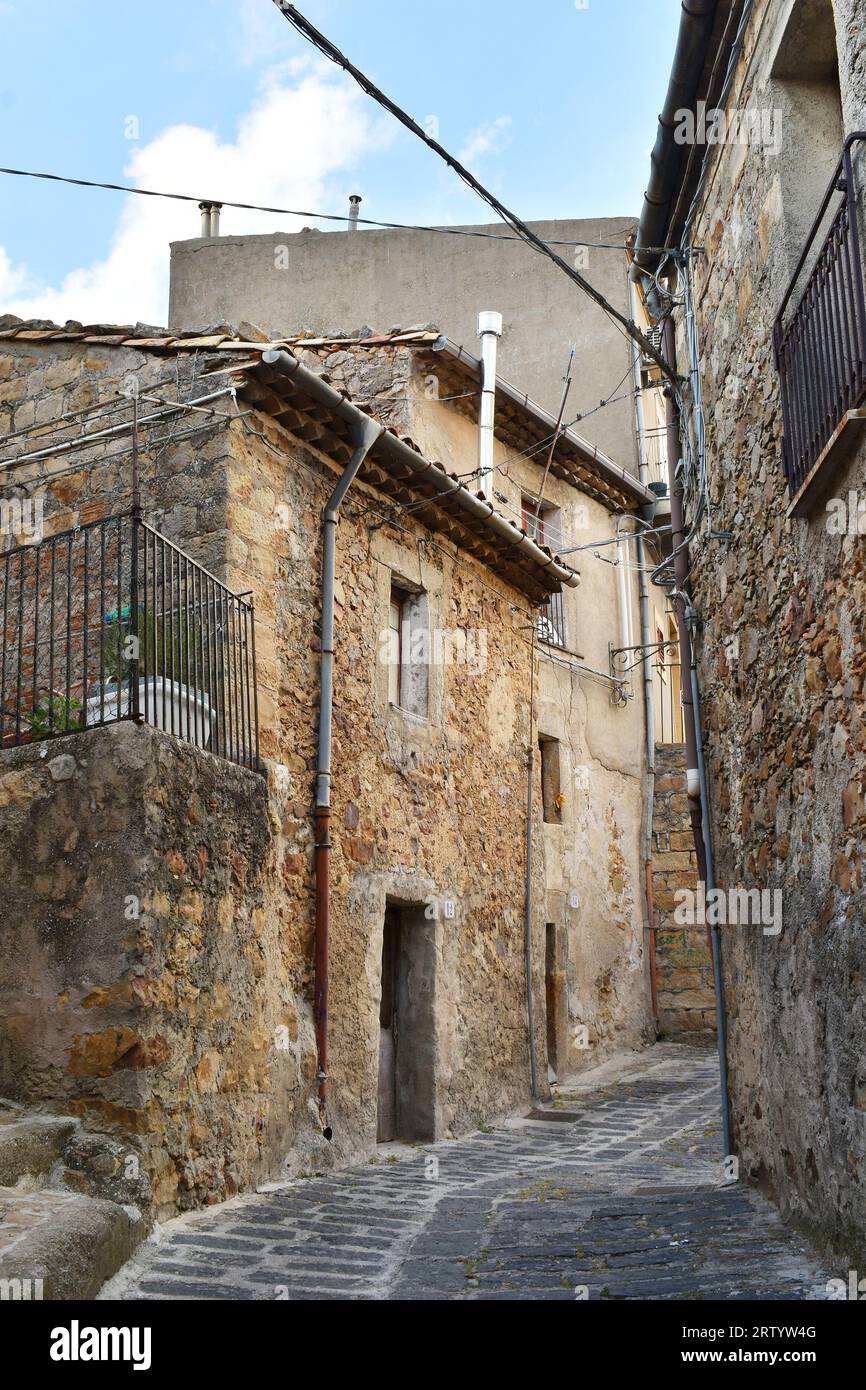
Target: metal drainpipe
pixel 527 903
pixel 696 784
pixel 366 433
pixel 646 638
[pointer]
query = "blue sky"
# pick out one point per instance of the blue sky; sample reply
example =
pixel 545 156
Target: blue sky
pixel 553 105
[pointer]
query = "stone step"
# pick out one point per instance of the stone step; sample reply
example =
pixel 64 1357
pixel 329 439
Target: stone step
pixel 30 1144
pixel 59 1245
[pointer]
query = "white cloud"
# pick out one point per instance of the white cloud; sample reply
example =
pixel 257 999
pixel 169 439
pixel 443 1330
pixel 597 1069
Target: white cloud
pixel 13 278
pixel 489 138
pixel 304 128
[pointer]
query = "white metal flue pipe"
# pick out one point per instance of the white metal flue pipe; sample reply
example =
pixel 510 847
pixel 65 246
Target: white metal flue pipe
pixel 489 331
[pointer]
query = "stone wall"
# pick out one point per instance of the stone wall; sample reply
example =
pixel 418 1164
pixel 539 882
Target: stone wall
pixel 589 859
pixel 684 966
pixel 182 477
pixel 426 811
pixel 147 983
pixel 782 663
pixel 428 815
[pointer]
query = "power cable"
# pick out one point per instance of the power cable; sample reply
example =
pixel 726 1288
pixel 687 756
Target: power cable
pixel 324 45
pixel 300 212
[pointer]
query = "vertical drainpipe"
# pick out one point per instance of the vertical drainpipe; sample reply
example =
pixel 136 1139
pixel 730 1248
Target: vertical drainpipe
pixel 527 901
pixel 696 783
pixel 489 331
pixel 646 638
pixel 366 432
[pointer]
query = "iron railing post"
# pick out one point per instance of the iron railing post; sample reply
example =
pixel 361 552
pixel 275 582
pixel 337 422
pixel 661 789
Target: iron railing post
pixel 134 702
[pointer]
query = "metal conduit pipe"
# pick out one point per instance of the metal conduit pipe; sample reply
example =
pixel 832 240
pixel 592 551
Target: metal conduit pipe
pixel 715 944
pixel 83 440
pixel 432 473
pixel 646 637
pixel 696 784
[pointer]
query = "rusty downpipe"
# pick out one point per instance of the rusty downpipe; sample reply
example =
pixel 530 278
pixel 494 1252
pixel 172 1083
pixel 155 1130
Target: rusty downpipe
pixel 365 434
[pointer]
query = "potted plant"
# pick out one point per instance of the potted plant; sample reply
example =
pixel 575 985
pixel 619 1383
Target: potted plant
pixel 53 714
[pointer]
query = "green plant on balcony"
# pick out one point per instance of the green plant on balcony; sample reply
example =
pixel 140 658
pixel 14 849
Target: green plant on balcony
pixel 54 714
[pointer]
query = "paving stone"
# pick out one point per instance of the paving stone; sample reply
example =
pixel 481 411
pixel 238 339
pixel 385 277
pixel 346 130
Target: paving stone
pixel 627 1201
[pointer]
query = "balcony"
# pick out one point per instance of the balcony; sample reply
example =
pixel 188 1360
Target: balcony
pixel 820 346
pixel 111 621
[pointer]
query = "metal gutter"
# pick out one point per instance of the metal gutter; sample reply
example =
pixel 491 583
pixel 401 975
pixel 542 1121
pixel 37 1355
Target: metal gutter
pixel 432 473
pixel 612 472
pixel 477 507
pixel 668 159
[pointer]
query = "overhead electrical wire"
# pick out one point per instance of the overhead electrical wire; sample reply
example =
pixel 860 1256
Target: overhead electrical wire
pixel 625 325
pixel 298 212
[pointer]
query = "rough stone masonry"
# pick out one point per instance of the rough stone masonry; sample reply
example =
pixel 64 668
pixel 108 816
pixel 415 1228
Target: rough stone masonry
pixel 782 647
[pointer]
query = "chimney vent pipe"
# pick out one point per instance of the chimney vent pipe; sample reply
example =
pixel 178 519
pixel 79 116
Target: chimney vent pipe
pixel 354 209
pixel 489 331
pixel 210 219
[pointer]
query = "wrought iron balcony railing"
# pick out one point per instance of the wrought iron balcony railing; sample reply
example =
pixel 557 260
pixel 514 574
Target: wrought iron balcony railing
pixel 820 348
pixel 111 621
pixel 655 442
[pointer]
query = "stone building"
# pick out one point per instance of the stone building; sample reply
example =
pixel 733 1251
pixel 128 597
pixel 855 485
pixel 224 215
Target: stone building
pixel 161 938
pixel 758 178
pixel 333 282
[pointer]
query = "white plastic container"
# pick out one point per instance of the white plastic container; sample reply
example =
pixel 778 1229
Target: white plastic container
pixel 186 712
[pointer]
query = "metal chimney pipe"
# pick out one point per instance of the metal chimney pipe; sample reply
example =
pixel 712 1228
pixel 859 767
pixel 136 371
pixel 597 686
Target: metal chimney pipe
pixel 489 331
pixel 354 208
pixel 215 209
pixel 204 209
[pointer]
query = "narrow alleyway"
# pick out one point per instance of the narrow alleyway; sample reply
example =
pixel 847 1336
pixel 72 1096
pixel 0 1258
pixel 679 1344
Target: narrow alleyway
pixel 619 1194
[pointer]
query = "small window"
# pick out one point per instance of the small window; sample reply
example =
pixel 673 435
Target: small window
pixel 408 650
pixel 551 791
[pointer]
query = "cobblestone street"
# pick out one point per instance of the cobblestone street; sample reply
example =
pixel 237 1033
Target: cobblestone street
pixel 619 1193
